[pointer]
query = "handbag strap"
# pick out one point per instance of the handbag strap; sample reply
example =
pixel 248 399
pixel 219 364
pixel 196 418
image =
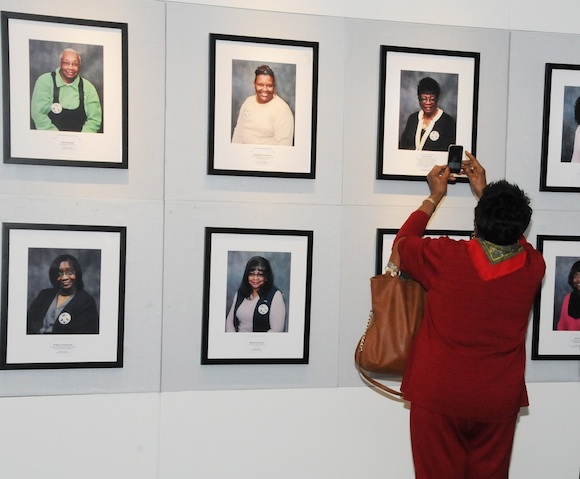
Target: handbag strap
pixel 378 384
pixel 393 266
pixel 363 373
pixel 393 270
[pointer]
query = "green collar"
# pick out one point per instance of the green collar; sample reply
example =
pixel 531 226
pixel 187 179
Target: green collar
pixel 497 253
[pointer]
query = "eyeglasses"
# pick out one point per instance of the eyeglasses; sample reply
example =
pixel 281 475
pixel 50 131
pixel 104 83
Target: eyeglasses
pixel 68 272
pixel 70 64
pixel 428 99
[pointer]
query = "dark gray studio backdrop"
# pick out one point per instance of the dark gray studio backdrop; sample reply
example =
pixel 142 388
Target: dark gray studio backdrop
pixel 448 82
pixel 40 259
pixel 571 94
pixel 280 263
pixel 243 76
pixel 561 286
pixel 45 57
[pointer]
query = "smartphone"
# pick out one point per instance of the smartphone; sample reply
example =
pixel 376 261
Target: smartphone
pixel 454 157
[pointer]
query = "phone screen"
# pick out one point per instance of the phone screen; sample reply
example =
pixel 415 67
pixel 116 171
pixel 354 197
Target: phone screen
pixel 454 156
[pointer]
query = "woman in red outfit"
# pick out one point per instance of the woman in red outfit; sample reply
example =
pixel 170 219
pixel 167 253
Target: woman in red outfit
pixel 465 373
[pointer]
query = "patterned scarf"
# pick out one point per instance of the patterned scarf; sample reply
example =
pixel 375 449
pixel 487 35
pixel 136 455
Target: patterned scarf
pixel 493 261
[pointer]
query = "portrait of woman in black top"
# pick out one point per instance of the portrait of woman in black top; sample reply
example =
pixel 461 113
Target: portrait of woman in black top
pixel 258 305
pixel 64 308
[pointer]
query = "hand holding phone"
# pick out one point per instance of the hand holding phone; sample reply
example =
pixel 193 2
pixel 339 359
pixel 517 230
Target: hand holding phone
pixel 454 157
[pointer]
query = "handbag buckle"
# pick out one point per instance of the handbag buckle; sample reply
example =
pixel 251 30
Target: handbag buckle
pixel 393 269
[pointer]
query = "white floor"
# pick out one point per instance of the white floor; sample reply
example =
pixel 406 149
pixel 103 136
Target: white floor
pixel 278 434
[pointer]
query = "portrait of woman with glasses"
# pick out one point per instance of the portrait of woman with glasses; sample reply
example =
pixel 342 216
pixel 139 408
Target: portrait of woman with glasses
pixel 65 308
pixel 430 128
pixel 258 305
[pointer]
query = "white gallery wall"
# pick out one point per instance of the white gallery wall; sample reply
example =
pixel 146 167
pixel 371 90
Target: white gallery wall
pixel 164 415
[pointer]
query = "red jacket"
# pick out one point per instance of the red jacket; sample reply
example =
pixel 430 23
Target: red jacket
pixel 469 356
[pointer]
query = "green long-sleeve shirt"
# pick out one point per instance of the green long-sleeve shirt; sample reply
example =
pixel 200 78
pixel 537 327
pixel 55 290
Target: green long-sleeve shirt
pixel 43 98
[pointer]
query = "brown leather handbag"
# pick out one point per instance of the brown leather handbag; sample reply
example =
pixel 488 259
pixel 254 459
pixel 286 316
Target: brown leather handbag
pixel 398 305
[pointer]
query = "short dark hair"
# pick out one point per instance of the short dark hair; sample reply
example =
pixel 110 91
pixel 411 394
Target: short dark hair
pixel 573 270
pixel 577 110
pixel 265 70
pixel 503 213
pixel 428 85
pixel 53 271
pixel 261 264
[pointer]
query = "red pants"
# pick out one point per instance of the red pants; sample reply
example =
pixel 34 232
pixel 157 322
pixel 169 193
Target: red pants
pixel 446 447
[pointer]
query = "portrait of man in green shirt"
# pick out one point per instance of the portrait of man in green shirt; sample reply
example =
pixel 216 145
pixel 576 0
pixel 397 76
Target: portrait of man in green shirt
pixel 63 100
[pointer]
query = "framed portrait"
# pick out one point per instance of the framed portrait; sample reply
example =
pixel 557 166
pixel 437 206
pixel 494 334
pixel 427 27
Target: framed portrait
pixel 63 293
pixel 556 324
pixel 263 107
pixel 257 291
pixel 386 236
pixel 560 167
pixel 64 91
pixel 428 100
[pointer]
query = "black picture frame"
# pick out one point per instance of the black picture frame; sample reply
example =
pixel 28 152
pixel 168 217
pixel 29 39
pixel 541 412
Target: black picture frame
pixel 548 341
pixel 560 161
pixel 89 331
pixel 386 236
pixel 233 60
pixel 401 68
pixel 227 253
pixel 33 44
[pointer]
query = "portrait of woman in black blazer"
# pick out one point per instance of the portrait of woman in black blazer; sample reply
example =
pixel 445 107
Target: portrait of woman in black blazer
pixel 65 308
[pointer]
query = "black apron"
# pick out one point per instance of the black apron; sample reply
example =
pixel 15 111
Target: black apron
pixel 261 319
pixel 69 120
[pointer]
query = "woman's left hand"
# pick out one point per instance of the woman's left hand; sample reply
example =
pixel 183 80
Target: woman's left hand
pixel 475 173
